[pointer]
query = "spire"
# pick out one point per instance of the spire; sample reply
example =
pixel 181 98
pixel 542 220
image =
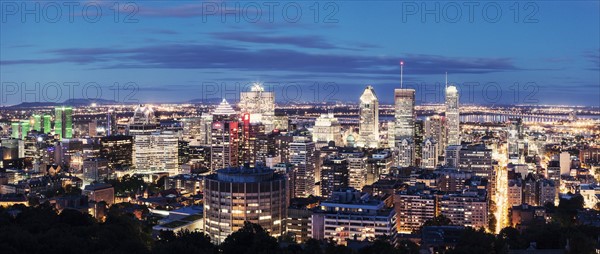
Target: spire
pixel 446 80
pixel 401 72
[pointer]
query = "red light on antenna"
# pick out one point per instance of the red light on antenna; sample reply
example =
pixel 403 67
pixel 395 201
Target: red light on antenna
pixel 401 62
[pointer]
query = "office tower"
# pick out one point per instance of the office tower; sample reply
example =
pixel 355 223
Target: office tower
pixel 368 119
pixel 429 154
pixel 225 138
pixel 63 122
pixel 404 100
pixel 515 139
pixel 413 209
pixel 260 104
pixel 327 128
pixel 418 140
pixel 20 129
pixel 477 159
pixel 143 121
pixel 205 129
pixel 468 210
pixel 156 152
pixel 47 125
pixel 452 115
pixel 95 170
pixel 36 122
pixel 350 214
pixel 235 195
pixel 117 150
pixel 334 175
pixel 111 123
pixel 404 126
pixel 434 127
pixel 253 142
pixel 378 165
pixel 357 169
pixel 302 156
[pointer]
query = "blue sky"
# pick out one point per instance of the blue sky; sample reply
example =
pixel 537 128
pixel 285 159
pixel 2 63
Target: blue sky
pixel 546 53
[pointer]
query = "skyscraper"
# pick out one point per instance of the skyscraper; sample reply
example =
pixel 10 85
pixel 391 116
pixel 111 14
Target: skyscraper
pixel 63 122
pixel 302 156
pixel 404 126
pixel 452 116
pixel 260 104
pixel 224 136
pixel 327 128
pixel 37 122
pixel 47 126
pixel 157 152
pixel 515 139
pixel 235 195
pixel 369 119
pixel 434 128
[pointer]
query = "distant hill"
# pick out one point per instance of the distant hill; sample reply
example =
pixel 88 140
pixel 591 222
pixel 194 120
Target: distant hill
pixel 70 102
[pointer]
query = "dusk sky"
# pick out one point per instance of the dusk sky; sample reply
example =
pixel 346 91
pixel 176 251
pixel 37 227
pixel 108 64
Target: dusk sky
pixel 176 51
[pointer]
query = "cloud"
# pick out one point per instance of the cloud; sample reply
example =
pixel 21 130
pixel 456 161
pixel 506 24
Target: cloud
pixel 221 57
pixel 309 41
pixel 593 56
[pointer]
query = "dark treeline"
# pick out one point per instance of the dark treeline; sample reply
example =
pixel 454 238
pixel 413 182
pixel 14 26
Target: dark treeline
pixel 42 230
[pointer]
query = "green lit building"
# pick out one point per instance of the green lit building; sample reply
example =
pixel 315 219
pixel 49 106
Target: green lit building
pixel 20 129
pixel 63 122
pixel 47 123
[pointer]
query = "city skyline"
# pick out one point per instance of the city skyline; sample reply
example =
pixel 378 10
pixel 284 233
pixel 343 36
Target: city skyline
pixel 347 127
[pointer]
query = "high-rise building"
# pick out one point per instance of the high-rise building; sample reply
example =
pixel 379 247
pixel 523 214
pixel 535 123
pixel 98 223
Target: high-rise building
pixel 36 122
pixel 327 128
pixel 413 209
pixel 515 140
pixel 404 126
pixel 224 137
pixel 404 100
pixel 350 214
pixel 63 122
pixel 452 115
pixel 117 150
pixel 260 104
pixel 334 175
pixel 477 159
pixel 378 165
pixel 156 152
pixel 143 121
pixel 429 154
pixel 95 170
pixel 47 125
pixel 19 129
pixel 254 142
pixel 434 127
pixel 405 149
pixel 468 210
pixel 235 195
pixel 369 119
pixel 303 158
pixel 357 169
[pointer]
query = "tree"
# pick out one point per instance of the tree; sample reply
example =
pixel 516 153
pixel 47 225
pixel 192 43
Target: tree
pixel 183 242
pixel 251 238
